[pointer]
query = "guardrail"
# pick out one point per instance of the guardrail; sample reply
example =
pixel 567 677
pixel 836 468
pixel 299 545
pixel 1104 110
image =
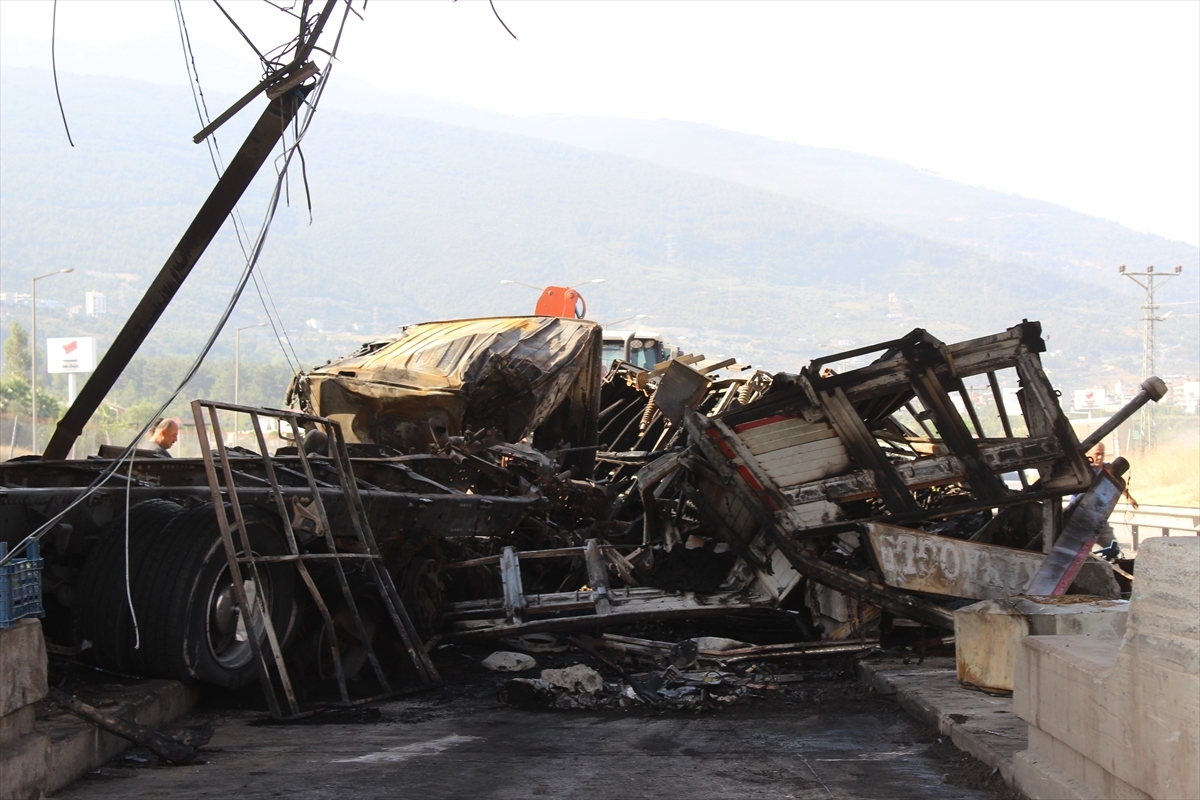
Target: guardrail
pixel 1132 526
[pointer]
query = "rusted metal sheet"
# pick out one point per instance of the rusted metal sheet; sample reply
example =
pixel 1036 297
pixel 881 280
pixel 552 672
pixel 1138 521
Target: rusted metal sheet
pixel 680 387
pixel 918 561
pixel 1089 515
pixel 439 379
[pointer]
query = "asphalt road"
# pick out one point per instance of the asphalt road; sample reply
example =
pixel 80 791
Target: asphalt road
pixel 826 740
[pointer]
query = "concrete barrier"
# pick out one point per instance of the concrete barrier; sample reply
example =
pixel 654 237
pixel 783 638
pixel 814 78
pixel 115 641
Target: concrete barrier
pixel 23 750
pixel 988 635
pixel 1119 720
pixel 37 758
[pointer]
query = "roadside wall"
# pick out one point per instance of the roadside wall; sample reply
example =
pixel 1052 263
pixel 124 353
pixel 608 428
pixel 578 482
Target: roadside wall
pixel 23 750
pixel 37 758
pixel 1119 720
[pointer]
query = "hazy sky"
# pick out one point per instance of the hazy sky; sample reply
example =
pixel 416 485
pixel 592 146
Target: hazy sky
pixel 1092 105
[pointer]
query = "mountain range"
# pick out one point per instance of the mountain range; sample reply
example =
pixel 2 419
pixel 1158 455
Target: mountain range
pixel 729 243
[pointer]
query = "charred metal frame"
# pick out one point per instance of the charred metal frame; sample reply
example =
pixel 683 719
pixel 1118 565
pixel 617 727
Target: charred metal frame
pixel 253 609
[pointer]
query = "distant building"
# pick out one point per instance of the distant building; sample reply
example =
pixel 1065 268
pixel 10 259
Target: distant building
pixel 95 303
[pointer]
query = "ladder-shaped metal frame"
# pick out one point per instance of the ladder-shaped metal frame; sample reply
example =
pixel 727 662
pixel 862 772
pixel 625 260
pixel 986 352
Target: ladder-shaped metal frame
pixel 253 609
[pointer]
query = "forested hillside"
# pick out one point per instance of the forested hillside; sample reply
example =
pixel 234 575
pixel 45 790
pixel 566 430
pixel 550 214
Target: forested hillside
pixel 998 225
pixel 415 219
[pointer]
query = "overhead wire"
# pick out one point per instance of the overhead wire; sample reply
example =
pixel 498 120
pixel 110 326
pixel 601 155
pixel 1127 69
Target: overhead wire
pixel 54 67
pixel 310 108
pixel 497 13
pixel 238 28
pixel 239 226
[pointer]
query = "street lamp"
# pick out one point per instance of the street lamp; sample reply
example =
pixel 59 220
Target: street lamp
pixel 237 372
pixel 33 350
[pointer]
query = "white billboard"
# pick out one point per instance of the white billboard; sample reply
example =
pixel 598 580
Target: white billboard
pixel 77 354
pixel 1089 398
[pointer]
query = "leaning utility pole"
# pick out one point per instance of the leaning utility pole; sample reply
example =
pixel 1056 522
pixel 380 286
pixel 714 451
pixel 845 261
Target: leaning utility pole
pixel 1146 421
pixel 286 91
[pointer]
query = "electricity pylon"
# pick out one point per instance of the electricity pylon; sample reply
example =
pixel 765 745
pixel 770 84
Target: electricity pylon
pixel 1146 428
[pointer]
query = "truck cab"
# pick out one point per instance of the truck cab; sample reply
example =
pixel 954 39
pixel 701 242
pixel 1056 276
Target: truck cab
pixel 644 349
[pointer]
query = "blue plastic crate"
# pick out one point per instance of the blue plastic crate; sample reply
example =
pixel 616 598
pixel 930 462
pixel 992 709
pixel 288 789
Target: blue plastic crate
pixel 20 586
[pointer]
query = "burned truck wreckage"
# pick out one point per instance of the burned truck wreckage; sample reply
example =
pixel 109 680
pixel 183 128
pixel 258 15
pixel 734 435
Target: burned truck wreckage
pixel 491 479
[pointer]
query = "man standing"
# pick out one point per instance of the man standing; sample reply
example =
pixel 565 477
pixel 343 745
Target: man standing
pixel 164 436
pixel 1096 459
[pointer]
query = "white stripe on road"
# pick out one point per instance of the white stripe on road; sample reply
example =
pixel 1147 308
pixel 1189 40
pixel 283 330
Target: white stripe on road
pixel 405 752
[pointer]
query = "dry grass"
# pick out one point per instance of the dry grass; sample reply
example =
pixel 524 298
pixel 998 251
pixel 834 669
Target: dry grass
pixel 1168 477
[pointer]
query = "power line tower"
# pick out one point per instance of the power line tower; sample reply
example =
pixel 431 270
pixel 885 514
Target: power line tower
pixel 1146 431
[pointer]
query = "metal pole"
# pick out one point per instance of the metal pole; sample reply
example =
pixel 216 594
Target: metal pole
pixel 1147 422
pixel 209 219
pixel 1152 389
pixel 237 371
pixel 33 352
pixel 237 176
pixel 237 374
pixel 71 399
pixel 33 366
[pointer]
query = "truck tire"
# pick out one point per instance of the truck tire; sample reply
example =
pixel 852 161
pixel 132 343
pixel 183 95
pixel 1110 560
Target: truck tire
pixel 191 626
pixel 100 612
pixel 423 594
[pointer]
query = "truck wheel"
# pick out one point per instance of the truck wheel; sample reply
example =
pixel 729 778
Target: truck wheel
pixel 194 629
pixel 352 649
pixel 424 595
pixel 100 612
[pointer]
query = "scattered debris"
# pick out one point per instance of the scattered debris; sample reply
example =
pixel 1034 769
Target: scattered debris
pixel 576 678
pixel 179 750
pixel 505 661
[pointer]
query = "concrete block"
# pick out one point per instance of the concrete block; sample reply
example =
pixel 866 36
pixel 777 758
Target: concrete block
pixel 22 665
pixel 23 767
pixel 1069 773
pixel 988 634
pixel 15 725
pixel 1039 778
pixel 1121 719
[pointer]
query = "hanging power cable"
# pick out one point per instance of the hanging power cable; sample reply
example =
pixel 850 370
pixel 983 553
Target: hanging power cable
pixel 310 107
pixel 214 149
pixel 54 66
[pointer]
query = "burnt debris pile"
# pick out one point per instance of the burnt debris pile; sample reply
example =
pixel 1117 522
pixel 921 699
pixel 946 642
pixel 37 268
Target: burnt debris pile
pixel 479 480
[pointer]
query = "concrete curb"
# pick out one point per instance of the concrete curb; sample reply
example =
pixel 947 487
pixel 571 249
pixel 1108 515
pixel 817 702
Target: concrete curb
pixel 63 748
pixel 984 726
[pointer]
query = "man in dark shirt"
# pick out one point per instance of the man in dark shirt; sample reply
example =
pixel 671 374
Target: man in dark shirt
pixel 165 434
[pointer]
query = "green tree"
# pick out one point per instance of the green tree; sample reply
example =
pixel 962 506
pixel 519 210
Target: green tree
pixel 14 394
pixel 16 353
pixel 14 398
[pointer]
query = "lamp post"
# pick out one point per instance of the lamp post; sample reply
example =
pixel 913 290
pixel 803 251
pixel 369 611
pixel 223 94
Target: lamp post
pixel 33 351
pixel 237 373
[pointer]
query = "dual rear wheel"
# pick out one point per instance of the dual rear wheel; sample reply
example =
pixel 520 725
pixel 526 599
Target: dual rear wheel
pixel 186 623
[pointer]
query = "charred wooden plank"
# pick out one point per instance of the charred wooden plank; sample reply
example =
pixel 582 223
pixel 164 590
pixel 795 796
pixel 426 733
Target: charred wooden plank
pixel 867 452
pixel 166 748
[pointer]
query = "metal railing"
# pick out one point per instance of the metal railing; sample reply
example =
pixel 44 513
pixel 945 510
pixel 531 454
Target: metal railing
pixel 1135 526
